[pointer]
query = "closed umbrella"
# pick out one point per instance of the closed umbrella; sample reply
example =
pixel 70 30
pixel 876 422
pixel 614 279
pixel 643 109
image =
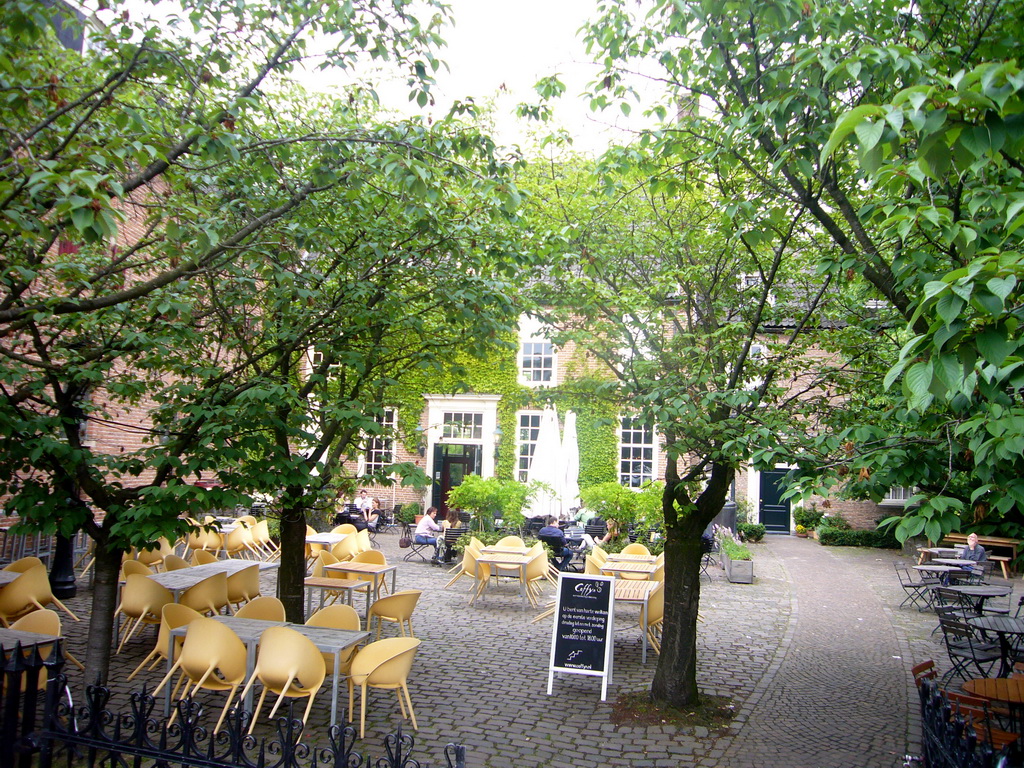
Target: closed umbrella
pixel 569 470
pixel 544 467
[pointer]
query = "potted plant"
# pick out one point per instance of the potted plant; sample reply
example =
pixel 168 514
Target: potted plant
pixel 801 532
pixel 735 557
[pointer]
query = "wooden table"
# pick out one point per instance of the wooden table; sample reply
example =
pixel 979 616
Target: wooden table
pixel 12 638
pixel 631 567
pixel 494 550
pixel 636 591
pixel 6 577
pixel 1006 689
pixel 507 560
pixel 1004 627
pixel 249 631
pixel 327 539
pixel 378 571
pixel 953 561
pixel 618 557
pixel 185 578
pixel 324 583
pixel 982 592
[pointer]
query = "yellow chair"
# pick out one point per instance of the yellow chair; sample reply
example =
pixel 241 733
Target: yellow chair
pixel 263 541
pixel 322 559
pixel 22 565
pixel 346 549
pixel 344 528
pixel 208 596
pixel 599 555
pixel 153 555
pixel 203 557
pixel 29 592
pixel 658 574
pixel 511 541
pixel 384 664
pixel 636 548
pixel 129 567
pixel 591 567
pixel 201 538
pixel 240 543
pixel 336 617
pixel 536 572
pixel 142 601
pixel 312 550
pixel 290 665
pixel 212 658
pixel 172 616
pixel 244 585
pixel 396 608
pixel 376 557
pixel 655 617
pixel 45 622
pixel 468 566
pixel 175 563
pixel 247 520
pixel 363 543
pixel 265 608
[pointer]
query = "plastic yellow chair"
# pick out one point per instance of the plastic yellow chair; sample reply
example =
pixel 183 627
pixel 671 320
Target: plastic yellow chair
pixel 346 549
pixel 636 548
pixel 363 543
pixel 510 541
pixel 376 557
pixel 384 664
pixel 175 563
pixel 344 528
pixel 655 617
pixel 22 565
pixel 45 622
pixel 263 541
pixel 468 566
pixel 27 593
pixel 142 601
pixel 209 595
pixel 536 572
pixel 599 555
pixel 154 554
pixel 312 550
pixel 658 574
pixel 591 567
pixel 212 658
pixel 248 520
pixel 336 617
pixel 244 585
pixel 203 539
pixel 129 567
pixel 265 608
pixel 203 557
pixel 240 543
pixel 396 608
pixel 290 665
pixel 172 616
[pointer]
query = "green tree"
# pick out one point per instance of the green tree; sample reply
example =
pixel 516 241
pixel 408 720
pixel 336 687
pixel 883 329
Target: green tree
pixel 176 240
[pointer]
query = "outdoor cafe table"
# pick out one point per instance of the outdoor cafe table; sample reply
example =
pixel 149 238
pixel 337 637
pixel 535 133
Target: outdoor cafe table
pixel 635 591
pixel 364 569
pixel 324 584
pixel 618 557
pixel 982 592
pixel 1006 689
pixel 953 561
pixel 328 539
pixel 517 558
pixel 185 578
pixel 1004 627
pixel 628 566
pixel 11 638
pixel 6 577
pixel 326 639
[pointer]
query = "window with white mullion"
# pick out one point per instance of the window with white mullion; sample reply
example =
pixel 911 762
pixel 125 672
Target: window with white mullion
pixel 529 429
pixel 380 449
pixel 463 426
pixel 636 452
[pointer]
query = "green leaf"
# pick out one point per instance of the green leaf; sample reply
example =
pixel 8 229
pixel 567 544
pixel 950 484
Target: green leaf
pixel 846 125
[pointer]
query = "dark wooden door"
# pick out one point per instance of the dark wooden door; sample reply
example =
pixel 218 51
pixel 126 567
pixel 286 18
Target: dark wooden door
pixel 451 464
pixel 774 512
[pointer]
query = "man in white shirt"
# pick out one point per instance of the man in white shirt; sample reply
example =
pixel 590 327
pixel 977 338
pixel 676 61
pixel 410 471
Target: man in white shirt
pixel 363 502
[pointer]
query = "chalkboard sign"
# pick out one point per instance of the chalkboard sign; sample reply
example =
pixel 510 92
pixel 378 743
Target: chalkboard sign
pixel 581 640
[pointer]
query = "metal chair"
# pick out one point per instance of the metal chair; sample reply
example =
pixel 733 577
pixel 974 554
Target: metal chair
pixel 918 592
pixel 967 650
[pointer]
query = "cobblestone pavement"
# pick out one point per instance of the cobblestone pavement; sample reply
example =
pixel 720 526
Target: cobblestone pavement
pixel 814 655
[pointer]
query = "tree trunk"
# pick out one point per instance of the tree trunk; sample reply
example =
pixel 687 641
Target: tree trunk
pixel 292 573
pixel 675 679
pixel 101 620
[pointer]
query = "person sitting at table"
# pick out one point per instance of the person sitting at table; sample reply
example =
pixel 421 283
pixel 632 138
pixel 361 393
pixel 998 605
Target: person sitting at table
pixel 554 537
pixel 973 551
pixel 451 520
pixel 427 528
pixel 372 515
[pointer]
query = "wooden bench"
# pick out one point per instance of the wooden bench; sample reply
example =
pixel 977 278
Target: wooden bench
pixel 989 543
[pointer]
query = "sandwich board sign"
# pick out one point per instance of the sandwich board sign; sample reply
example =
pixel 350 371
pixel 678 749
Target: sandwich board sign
pixel 582 637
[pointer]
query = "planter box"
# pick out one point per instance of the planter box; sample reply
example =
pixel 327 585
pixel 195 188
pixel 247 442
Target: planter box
pixel 738 571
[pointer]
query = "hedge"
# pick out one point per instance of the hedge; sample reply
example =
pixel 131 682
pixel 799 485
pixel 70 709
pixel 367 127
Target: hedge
pixel 835 537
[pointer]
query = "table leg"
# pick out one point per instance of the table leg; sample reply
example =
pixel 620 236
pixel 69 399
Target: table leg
pixel 394 575
pixel 250 665
pixel 170 663
pixel 334 687
pixel 309 600
pixel 367 602
pixel 643 628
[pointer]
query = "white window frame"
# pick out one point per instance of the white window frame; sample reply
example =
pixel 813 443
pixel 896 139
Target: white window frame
pixel 526 447
pixel 626 478
pixel 531 332
pixel 463 425
pixel 382 445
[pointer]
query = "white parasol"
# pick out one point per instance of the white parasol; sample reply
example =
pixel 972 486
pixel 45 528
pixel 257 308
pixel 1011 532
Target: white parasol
pixel 569 468
pixel 544 467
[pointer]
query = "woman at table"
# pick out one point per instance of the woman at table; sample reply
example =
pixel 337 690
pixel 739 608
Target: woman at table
pixel 451 521
pixel 373 515
pixel 427 528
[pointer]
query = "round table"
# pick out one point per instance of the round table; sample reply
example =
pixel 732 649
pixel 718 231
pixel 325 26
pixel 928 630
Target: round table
pixel 1006 689
pixel 982 592
pixel 1004 627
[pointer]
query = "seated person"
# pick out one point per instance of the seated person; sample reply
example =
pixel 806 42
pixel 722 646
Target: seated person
pixel 440 550
pixel 973 551
pixel 427 529
pixel 551 534
pixel 373 515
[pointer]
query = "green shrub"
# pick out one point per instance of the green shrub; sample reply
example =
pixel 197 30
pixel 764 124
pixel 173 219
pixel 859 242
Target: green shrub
pixel 734 550
pixel 751 531
pixel 837 537
pixel 836 521
pixel 408 512
pixel 808 518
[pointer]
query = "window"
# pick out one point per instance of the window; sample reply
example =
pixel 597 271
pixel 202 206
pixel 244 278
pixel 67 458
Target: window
pixel 463 426
pixel 529 428
pixel 536 353
pixel 636 452
pixel 538 364
pixel 380 449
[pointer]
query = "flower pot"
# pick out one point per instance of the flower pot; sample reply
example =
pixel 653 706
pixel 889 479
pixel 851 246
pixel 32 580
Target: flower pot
pixel 802 535
pixel 738 571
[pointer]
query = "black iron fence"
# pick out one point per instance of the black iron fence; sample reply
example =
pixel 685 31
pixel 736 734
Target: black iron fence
pixel 42 722
pixel 950 741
